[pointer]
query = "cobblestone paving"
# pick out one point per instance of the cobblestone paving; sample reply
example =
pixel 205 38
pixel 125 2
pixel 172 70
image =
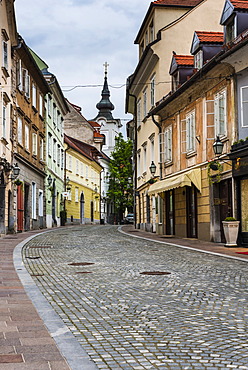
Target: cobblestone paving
pixel 194 318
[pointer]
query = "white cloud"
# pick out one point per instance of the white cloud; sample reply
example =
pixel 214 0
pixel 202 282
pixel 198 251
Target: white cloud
pixel 75 38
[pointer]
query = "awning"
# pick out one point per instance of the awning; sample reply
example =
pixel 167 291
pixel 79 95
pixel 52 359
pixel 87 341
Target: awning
pixel 178 181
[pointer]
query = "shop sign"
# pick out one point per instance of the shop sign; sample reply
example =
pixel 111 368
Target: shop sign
pixel 240 166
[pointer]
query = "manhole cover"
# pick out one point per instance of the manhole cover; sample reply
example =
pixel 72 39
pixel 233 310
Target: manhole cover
pixel 80 263
pixel 33 258
pixel 155 273
pixel 84 272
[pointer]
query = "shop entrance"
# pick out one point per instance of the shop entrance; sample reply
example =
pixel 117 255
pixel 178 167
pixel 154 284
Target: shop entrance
pixel 191 209
pixel 170 212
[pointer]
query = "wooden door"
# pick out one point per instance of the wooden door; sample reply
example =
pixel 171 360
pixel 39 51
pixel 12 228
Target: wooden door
pixel 191 209
pixel 170 212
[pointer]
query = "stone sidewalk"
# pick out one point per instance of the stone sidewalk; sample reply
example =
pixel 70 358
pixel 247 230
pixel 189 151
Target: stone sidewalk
pixel 25 340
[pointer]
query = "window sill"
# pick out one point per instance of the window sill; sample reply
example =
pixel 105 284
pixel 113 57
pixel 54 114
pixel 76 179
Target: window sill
pixel 168 164
pixel 190 154
pixel 4 141
pixel 34 109
pixel 5 72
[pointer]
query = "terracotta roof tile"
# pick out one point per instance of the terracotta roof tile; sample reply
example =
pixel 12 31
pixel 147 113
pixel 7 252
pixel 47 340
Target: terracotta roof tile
pixel 97 134
pixel 94 124
pixel 239 4
pixel 210 36
pixel 184 60
pixel 186 3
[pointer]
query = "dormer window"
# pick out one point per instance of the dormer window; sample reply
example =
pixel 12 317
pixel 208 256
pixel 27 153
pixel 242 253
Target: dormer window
pixel 175 81
pixel 198 60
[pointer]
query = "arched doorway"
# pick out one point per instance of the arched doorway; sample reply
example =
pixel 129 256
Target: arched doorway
pixel 2 204
pixel 82 219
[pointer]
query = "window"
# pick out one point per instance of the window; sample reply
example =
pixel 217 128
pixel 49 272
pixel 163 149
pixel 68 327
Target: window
pixel 41 105
pixel 54 150
pixel 62 159
pixel 33 208
pixel 76 194
pixel 231 30
pixel 54 114
pixel 139 113
pixel 77 167
pixel 19 126
pixel 49 144
pixel 69 162
pixel 4 121
pixel 145 103
pixel 138 165
pixel 220 113
pixel 168 144
pixel 244 106
pixel 26 142
pixel 26 82
pixel 151 31
pixel 58 121
pixel 58 155
pixel 190 132
pixel 198 60
pixel 41 202
pixel 19 79
pixel 81 169
pixel 152 148
pixel 5 55
pixel 153 91
pixel 34 96
pixel 49 105
pixel 144 158
pixel 34 144
pixel 86 172
pixel 41 149
pixel 175 81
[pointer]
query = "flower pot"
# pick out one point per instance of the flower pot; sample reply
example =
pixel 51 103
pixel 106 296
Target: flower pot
pixel 231 229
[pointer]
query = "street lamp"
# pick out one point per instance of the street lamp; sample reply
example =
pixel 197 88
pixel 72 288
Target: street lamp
pixel 152 168
pixel 49 180
pixel 67 182
pixel 218 146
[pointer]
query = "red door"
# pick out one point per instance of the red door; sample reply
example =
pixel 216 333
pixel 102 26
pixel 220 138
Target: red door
pixel 20 208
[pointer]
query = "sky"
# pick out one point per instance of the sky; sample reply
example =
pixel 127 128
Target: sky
pixel 76 37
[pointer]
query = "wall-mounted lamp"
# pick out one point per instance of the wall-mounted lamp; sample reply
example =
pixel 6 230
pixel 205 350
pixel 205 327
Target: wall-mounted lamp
pixel 5 166
pixel 67 183
pixel 218 146
pixel 49 180
pixel 153 168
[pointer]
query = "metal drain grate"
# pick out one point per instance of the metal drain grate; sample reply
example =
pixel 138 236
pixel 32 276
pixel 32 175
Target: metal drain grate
pixel 37 275
pixel 80 263
pixel 33 258
pixel 155 273
pixel 40 246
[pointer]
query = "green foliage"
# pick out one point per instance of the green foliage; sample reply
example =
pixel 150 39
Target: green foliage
pixel 121 174
pixel 217 167
pixel 230 219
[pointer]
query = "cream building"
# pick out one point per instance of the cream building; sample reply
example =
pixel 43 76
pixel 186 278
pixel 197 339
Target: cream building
pixel 168 26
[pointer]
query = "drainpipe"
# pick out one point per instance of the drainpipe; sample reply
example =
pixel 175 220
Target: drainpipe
pixel 160 131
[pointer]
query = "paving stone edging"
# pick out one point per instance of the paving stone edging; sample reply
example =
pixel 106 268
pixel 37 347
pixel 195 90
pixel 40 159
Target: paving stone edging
pixel 182 246
pixel 68 345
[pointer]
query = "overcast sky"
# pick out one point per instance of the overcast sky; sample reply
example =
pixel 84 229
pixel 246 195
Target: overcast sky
pixel 76 37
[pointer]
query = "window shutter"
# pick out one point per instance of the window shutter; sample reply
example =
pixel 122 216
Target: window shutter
pixel 183 136
pixel 210 108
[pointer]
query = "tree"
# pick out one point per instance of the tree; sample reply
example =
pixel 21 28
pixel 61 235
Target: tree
pixel 120 177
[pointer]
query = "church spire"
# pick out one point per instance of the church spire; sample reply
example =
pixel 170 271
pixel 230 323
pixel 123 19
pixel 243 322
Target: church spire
pixel 105 106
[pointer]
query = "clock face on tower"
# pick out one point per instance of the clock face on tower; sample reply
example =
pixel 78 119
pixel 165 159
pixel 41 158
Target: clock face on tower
pixel 102 122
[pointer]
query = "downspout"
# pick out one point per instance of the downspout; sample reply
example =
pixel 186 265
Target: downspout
pixel 160 131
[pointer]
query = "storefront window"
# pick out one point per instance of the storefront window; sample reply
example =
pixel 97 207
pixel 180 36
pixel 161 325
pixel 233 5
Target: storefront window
pixel 244 205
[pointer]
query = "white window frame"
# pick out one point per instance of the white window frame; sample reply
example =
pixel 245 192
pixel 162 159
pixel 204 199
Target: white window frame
pixel 54 150
pixel 220 129
pixel 244 120
pixel 40 105
pixel 62 159
pixel 77 167
pixel 41 203
pixel 69 162
pixel 49 105
pixel 58 155
pixel 19 75
pixel 144 158
pixel 27 138
pixel 168 144
pixel 81 169
pixel 139 113
pixel 190 132
pixel 41 149
pixel 34 143
pixel 49 144
pixel 198 60
pixel 76 195
pixel 33 206
pixel 153 91
pixel 26 82
pixel 34 95
pixel 20 130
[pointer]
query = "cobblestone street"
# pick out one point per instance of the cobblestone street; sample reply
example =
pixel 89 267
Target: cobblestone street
pixel 193 317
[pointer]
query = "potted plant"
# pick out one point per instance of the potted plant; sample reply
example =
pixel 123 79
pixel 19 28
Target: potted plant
pixel 231 229
pixel 217 168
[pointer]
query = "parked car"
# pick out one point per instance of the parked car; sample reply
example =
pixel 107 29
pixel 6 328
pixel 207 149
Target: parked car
pixel 129 219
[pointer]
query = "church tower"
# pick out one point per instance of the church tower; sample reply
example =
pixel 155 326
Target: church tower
pixel 110 127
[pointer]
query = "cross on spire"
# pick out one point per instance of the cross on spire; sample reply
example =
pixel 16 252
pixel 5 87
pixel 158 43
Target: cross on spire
pixel 106 65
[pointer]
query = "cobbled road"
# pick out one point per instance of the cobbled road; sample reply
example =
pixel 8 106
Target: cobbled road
pixel 195 317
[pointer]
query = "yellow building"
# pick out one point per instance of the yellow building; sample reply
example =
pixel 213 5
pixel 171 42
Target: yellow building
pixel 82 181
